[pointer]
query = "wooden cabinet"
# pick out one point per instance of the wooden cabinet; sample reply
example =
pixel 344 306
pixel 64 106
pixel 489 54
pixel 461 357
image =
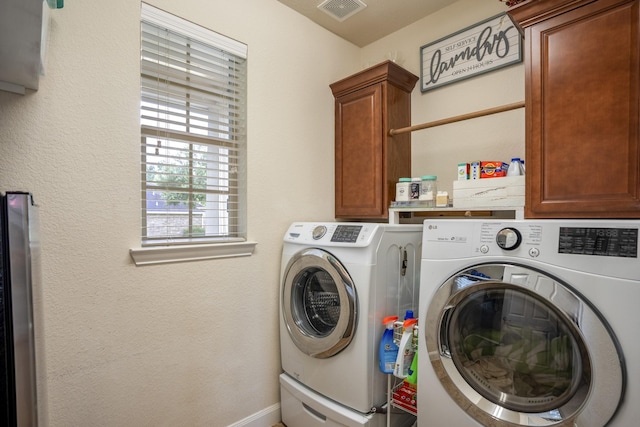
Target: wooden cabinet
pixel 582 101
pixel 368 162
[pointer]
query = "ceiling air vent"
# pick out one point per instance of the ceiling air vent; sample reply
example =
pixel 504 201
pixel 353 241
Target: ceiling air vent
pixel 341 9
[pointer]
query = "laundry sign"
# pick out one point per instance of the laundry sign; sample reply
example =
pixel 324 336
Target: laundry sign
pixel 488 45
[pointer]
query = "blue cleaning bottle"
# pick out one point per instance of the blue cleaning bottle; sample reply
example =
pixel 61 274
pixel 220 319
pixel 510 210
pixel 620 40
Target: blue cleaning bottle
pixel 388 351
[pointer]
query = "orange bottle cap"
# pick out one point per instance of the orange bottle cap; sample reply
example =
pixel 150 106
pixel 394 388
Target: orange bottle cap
pixel 389 319
pixel 409 322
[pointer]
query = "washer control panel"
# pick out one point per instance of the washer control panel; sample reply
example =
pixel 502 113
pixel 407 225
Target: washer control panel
pixel 332 234
pixel 616 242
pixel 340 234
pixel 346 233
pixel 607 247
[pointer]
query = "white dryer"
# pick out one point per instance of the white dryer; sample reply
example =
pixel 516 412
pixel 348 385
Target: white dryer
pixel 338 281
pixel 529 323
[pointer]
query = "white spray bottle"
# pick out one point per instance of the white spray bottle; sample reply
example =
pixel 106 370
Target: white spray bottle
pixel 405 350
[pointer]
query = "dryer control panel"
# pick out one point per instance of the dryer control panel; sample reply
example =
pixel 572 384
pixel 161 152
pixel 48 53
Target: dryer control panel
pixel 608 247
pixel 618 241
pixel 332 234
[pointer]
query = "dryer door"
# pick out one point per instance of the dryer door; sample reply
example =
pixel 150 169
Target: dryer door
pixel 515 345
pixel 319 303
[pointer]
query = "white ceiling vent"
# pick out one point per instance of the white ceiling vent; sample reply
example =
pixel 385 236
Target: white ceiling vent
pixel 341 9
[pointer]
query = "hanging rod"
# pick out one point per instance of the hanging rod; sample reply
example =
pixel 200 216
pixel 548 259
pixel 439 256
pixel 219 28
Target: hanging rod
pixel 459 118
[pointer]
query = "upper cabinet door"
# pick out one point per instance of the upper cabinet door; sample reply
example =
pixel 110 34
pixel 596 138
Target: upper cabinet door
pixel 582 107
pixel 359 154
pixel 368 162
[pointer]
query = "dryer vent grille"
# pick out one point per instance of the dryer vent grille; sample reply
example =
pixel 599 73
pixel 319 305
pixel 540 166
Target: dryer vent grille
pixel 341 9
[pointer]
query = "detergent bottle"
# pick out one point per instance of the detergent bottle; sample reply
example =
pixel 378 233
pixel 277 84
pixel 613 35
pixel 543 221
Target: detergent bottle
pixel 405 350
pixel 412 378
pixel 388 349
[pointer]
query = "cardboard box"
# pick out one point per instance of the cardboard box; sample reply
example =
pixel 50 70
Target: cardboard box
pixel 464 170
pixel 493 169
pixel 474 170
pixel 489 193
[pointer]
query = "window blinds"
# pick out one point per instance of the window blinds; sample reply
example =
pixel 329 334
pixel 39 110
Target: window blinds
pixel 193 132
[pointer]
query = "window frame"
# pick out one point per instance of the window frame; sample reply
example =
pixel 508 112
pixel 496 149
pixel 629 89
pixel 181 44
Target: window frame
pixel 192 248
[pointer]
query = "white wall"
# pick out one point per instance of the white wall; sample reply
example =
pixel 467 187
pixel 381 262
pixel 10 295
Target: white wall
pixel 197 343
pixel 181 344
pixel 438 150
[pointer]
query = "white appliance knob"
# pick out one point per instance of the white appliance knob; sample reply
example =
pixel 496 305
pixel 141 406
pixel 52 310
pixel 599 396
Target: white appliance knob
pixel 484 249
pixel 508 238
pixel 319 232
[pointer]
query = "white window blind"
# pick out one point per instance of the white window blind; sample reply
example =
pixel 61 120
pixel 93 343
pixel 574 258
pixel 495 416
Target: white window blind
pixel 193 133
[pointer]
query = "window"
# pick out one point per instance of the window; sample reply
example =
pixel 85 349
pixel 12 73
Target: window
pixel 193 133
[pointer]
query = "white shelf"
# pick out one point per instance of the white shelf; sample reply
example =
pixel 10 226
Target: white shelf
pixel 517 212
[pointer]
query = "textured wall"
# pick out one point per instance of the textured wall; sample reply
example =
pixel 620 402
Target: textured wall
pixel 178 344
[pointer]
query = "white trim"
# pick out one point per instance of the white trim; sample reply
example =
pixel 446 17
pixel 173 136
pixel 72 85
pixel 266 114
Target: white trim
pixel 181 26
pixel 267 417
pixel 182 253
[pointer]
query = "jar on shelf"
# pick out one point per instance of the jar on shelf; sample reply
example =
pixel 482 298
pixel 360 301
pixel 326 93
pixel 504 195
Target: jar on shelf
pixel 428 191
pixel 415 188
pixel 403 190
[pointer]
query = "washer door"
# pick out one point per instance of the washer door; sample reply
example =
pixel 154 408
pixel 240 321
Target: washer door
pixel 319 303
pixel 512 344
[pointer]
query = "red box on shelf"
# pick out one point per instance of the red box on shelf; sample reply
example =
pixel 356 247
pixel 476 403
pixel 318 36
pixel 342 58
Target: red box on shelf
pixel 405 396
pixel 493 169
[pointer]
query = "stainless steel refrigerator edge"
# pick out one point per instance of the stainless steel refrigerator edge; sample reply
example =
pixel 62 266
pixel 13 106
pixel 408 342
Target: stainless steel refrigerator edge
pixel 19 277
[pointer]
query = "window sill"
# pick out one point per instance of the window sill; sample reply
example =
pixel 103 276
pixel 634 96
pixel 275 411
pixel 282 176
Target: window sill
pixel 184 253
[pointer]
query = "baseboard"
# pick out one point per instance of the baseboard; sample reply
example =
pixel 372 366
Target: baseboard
pixel 265 418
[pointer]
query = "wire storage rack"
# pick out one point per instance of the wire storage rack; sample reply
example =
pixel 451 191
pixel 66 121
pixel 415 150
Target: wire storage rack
pixel 403 394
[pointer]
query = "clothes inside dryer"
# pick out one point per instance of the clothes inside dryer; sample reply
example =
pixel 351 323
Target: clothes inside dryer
pixel 513 345
pixel 515 349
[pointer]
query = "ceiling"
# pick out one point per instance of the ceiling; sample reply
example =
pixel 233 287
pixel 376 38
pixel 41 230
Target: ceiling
pixel 366 24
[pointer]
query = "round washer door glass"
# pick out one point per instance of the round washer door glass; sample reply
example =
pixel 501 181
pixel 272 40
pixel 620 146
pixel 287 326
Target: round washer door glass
pixel 511 343
pixel 318 303
pixel 515 350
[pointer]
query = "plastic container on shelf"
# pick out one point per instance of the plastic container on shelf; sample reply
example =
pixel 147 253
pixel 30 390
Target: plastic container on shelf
pixel 415 188
pixel 388 351
pixel 516 167
pixel 403 190
pixel 428 191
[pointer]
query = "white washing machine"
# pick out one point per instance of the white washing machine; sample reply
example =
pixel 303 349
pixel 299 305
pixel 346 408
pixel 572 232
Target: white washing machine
pixel 529 323
pixel 338 281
